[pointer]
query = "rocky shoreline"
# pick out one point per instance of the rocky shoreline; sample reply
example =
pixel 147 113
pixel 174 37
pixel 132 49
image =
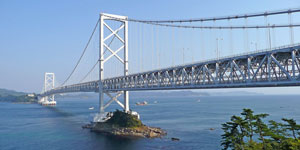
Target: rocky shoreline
pixel 142 132
pixel 126 124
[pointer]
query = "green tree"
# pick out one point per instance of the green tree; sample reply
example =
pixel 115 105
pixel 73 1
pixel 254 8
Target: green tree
pixel 261 128
pixel 235 132
pixel 122 119
pixel 250 119
pixel 277 134
pixel 250 132
pixel 232 138
pixel 229 138
pixel 291 126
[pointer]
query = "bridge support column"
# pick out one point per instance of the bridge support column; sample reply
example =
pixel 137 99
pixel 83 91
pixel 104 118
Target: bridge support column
pixel 101 101
pixel 217 78
pixel 293 64
pixel 248 69
pixel 126 101
pixel 126 93
pixel 120 34
pixel 49 80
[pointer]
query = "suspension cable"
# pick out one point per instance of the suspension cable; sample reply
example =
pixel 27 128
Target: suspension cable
pixel 265 14
pixel 89 72
pixel 220 18
pixel 227 27
pixel 98 60
pixel 82 53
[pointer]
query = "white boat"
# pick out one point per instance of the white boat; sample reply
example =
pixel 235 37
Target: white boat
pixel 91 108
pixel 141 103
pixel 48 103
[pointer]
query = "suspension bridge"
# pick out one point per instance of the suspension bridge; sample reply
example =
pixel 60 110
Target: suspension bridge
pixel 185 54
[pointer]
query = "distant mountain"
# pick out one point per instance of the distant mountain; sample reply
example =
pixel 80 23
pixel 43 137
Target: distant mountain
pixel 16 97
pixel 181 93
pixel 166 93
pixel 77 95
pixel 5 92
pixel 139 94
pixel 235 93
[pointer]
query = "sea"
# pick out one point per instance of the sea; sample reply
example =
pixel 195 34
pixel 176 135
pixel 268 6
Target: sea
pixel 196 121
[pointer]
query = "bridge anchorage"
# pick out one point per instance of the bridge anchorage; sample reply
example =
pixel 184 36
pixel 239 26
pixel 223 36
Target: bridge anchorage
pixel 273 66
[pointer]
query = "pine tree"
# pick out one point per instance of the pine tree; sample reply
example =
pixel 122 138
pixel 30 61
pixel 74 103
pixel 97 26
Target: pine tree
pixel 249 118
pixel 291 126
pixel 272 136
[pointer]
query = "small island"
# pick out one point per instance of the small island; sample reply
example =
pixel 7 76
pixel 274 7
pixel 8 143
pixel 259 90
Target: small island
pixel 124 124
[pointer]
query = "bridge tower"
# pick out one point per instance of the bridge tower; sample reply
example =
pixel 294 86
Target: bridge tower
pixel 49 80
pixel 104 45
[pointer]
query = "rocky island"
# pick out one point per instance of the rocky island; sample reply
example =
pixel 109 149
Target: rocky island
pixel 126 124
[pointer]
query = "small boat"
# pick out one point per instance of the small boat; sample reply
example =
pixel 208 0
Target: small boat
pixel 141 103
pixel 198 100
pixel 91 108
pixel 175 139
pixel 155 102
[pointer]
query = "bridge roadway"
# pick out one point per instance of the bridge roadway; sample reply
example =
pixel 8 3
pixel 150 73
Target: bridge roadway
pixel 266 68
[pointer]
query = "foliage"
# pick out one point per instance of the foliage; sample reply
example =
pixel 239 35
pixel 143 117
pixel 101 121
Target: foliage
pixel 13 96
pixel 250 132
pixel 122 119
pixel 16 99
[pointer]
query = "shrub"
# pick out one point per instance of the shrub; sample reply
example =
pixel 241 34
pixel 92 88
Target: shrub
pixel 122 119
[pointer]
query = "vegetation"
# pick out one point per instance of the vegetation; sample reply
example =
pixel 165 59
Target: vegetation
pixel 17 99
pixel 122 119
pixel 250 132
pixel 5 92
pixel 13 96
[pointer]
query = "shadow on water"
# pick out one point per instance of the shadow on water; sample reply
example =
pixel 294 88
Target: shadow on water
pixel 118 142
pixel 110 142
pixel 60 112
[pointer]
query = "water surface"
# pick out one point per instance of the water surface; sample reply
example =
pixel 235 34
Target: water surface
pixel 31 126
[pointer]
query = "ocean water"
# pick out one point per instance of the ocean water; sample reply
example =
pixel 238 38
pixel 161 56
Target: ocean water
pixel 31 126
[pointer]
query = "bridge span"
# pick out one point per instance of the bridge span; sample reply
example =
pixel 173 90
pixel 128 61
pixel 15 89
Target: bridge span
pixel 266 68
pixel 270 67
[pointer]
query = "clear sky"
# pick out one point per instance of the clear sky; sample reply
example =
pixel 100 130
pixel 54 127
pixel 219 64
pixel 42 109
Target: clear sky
pixel 39 36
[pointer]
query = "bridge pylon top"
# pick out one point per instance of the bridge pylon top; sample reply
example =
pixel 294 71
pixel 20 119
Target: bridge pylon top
pixel 114 17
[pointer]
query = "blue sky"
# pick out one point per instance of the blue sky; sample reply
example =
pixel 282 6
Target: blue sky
pixel 40 36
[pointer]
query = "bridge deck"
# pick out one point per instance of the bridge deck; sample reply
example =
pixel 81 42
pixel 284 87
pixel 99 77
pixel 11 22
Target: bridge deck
pixel 276 67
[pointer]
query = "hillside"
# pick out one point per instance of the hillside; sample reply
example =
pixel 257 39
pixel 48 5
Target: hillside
pixel 14 96
pixel 5 92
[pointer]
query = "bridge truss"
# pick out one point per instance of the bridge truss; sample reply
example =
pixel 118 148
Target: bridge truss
pixel 278 67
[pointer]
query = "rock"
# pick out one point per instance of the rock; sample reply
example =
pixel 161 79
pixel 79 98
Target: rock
pixel 144 131
pixel 175 139
pixel 87 126
pixel 126 124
